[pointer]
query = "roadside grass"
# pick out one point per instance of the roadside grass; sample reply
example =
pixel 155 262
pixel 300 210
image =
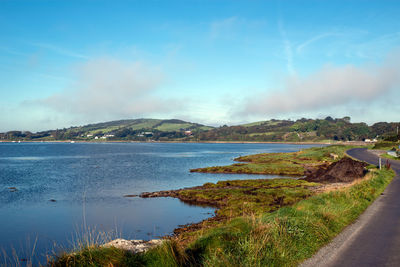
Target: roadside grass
pixel 291 234
pixel 386 145
pixel 387 156
pixel 292 164
pixel 284 237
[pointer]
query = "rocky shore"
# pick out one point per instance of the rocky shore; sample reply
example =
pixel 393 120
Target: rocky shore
pixel 133 246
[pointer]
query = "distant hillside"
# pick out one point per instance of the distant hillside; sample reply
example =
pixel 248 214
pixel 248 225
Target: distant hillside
pixel 135 129
pixel 303 130
pixel 145 124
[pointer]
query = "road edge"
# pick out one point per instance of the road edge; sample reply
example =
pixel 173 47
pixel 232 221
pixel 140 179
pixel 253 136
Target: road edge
pixel 326 255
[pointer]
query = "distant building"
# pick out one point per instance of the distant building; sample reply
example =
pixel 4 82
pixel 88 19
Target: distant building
pixel 188 133
pixel 147 134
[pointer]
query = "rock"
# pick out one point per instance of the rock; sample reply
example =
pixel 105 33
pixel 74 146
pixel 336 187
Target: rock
pixel 168 193
pixel 53 200
pixel 333 156
pixel 13 189
pixel 134 246
pixel 130 195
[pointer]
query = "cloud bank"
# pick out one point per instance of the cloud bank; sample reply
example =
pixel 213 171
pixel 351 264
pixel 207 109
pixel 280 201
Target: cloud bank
pixel 108 89
pixel 329 87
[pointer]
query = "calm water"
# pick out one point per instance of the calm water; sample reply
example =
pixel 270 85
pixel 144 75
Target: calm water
pixel 88 181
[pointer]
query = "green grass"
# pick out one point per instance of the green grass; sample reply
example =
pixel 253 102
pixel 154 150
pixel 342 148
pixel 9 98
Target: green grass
pixel 278 222
pixel 205 128
pixel 167 254
pixel 237 197
pixel 264 133
pixel 97 256
pixel 289 235
pixel 103 130
pixel 292 164
pixel 285 237
pixel 149 124
pixel 387 156
pixel 167 127
pixel 269 123
pixel 386 145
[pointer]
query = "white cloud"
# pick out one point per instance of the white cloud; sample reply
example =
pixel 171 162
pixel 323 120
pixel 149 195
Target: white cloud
pixel 331 86
pixel 111 89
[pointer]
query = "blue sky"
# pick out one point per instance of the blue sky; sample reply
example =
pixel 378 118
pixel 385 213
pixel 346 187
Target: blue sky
pixel 65 63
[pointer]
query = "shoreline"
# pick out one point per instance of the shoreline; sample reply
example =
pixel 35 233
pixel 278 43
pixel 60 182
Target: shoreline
pixel 238 203
pixel 200 198
pixel 193 142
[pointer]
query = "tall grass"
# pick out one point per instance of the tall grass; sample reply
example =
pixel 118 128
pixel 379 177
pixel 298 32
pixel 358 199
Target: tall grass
pixel 24 256
pixel 291 234
pixel 84 248
pixel 285 237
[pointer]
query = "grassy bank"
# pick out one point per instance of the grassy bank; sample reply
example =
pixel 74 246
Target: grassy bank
pixel 291 234
pixel 386 145
pixel 284 237
pixel 387 156
pixel 234 198
pixel 293 164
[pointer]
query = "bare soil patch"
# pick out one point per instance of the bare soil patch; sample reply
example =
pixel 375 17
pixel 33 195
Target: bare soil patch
pixel 345 170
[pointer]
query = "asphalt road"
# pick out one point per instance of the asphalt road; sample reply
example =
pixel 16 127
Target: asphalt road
pixel 374 239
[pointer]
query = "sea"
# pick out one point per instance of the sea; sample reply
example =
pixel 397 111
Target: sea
pixel 55 196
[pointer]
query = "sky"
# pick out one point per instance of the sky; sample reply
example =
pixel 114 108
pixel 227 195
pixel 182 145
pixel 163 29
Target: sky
pixel 70 63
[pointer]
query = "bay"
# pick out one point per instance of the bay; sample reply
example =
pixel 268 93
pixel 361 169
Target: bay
pixel 64 191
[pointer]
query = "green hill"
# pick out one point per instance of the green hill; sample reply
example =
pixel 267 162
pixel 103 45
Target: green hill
pixel 135 129
pixel 302 130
